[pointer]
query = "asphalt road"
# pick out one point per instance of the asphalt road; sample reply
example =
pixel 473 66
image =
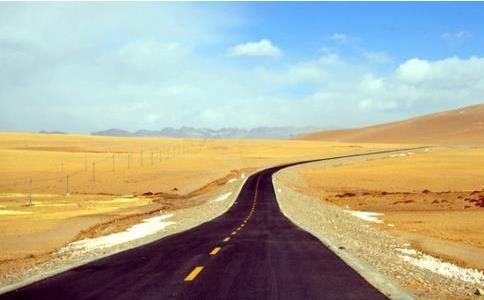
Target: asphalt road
pixel 251 252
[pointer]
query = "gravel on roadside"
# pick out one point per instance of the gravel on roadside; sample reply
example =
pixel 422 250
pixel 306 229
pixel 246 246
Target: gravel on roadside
pixel 374 253
pixel 212 205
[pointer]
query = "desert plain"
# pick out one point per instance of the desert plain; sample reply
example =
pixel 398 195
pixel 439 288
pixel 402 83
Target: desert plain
pixel 58 189
pixel 79 182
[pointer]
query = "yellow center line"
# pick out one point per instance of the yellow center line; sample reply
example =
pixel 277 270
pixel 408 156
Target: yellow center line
pixel 233 232
pixel 215 250
pixel 227 239
pixel 194 273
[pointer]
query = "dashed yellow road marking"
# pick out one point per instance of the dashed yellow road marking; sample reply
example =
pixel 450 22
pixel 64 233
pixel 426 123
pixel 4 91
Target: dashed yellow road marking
pixel 227 239
pixel 215 250
pixel 233 233
pixel 194 273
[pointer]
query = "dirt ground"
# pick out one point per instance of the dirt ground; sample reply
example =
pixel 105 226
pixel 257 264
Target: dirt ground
pixel 434 199
pixel 147 174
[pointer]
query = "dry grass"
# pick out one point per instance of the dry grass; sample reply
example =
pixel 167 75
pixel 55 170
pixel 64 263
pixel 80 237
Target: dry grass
pixel 185 167
pixel 431 198
pixel 439 170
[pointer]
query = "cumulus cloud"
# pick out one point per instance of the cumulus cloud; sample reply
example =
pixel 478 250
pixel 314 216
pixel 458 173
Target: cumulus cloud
pixel 263 47
pixel 142 71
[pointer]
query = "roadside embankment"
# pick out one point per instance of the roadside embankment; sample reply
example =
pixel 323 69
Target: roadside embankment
pixel 115 236
pixel 387 261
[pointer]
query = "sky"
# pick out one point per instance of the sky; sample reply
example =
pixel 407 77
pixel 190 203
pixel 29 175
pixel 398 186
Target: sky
pixel 82 67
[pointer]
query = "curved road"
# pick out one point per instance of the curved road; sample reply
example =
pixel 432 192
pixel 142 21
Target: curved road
pixel 251 252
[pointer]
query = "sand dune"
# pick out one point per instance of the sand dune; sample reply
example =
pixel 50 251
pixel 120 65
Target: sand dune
pixel 460 126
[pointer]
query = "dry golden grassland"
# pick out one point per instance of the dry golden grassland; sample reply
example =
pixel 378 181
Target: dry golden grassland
pixel 179 167
pixel 435 199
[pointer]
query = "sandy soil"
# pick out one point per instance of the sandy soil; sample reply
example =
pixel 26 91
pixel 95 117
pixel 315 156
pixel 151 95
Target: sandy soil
pixel 460 126
pixel 178 165
pixel 387 261
pixel 433 199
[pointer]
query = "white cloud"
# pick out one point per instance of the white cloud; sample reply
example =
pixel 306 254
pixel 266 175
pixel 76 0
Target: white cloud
pixel 456 36
pixel 328 59
pixel 151 53
pixel 450 72
pixel 339 37
pixel 142 71
pixel 414 70
pixel 263 47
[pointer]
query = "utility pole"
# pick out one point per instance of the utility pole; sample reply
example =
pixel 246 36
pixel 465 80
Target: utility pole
pixel 93 171
pixel 30 191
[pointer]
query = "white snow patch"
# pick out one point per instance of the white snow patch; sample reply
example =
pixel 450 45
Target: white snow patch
pixel 147 227
pixel 408 251
pixel 231 180
pixel 446 269
pixel 366 215
pixel 223 197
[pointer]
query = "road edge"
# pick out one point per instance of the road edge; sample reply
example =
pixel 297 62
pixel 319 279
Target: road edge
pixel 381 282
pixel 62 269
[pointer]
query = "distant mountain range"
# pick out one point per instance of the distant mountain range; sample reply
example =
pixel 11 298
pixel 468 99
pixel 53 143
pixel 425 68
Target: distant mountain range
pixel 51 132
pixel 224 133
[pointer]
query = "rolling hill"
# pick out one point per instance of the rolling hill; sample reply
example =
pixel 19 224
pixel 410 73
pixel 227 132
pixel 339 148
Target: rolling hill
pixel 460 126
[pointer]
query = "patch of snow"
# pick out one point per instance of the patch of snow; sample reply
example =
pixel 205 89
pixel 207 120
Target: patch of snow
pixel 407 251
pixel 147 227
pixel 231 180
pixel 366 215
pixel 446 269
pixel 223 197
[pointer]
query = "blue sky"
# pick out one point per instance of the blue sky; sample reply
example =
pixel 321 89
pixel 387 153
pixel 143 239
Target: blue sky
pixel 81 67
